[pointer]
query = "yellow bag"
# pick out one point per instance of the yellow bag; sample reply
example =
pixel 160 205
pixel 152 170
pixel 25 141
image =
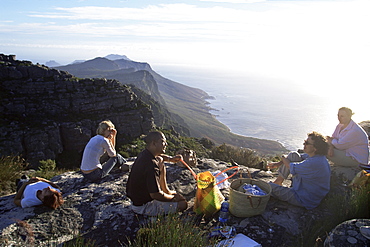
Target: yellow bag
pixel 208 197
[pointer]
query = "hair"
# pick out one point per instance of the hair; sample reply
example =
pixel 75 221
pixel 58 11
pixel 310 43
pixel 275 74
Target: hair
pixel 103 126
pixel 153 137
pixel 319 143
pixel 347 110
pixel 53 201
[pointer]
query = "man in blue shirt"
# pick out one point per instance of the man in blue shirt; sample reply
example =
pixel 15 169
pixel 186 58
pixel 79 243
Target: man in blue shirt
pixel 310 174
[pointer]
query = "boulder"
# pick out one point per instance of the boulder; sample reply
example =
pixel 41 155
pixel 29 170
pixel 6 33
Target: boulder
pixel 348 234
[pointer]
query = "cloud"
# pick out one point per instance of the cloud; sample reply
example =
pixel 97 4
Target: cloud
pixel 162 13
pixel 234 1
pixel 283 36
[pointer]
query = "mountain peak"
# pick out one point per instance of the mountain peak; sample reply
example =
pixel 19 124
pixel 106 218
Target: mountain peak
pixel 117 57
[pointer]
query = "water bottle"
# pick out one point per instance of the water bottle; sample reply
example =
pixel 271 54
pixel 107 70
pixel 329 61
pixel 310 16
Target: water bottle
pixel 224 212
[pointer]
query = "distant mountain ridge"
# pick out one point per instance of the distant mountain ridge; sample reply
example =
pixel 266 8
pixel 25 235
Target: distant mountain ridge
pixel 187 105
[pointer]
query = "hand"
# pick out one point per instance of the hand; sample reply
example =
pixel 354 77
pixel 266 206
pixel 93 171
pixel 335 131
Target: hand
pixel 329 139
pixel 113 132
pixel 160 162
pixel 178 198
pixel 171 192
pixel 274 165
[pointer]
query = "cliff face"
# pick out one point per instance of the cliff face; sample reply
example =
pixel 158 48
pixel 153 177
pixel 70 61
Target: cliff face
pixel 142 81
pixel 50 114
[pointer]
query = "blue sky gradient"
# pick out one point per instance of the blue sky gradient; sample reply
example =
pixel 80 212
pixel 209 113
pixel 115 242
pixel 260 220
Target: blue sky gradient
pixel 315 41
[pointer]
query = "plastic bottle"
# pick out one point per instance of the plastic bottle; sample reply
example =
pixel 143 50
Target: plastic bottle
pixel 224 212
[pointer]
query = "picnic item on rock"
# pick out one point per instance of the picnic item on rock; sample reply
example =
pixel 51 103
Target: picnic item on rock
pixel 247 205
pixel 221 177
pixel 208 197
pixel 240 240
pixel 250 189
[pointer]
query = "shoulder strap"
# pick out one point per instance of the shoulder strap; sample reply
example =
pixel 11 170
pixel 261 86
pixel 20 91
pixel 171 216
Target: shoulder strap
pixel 191 170
pixel 233 167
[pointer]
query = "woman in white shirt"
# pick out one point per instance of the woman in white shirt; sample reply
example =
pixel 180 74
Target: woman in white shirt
pixel 38 191
pixel 103 142
pixel 349 144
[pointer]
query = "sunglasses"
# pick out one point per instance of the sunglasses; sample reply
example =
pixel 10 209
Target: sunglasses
pixel 307 143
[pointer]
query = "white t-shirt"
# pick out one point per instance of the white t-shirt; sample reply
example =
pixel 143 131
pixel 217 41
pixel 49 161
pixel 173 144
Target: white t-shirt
pixel 30 194
pixel 94 149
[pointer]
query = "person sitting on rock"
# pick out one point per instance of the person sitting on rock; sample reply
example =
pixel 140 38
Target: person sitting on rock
pixel 349 146
pixel 147 185
pixel 38 191
pixel 103 142
pixel 310 174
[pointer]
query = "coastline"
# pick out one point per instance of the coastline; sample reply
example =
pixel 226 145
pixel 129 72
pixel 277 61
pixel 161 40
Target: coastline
pixel 192 104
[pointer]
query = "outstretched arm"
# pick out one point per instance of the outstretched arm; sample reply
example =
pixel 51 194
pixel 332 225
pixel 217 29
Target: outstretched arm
pixel 47 181
pixel 172 159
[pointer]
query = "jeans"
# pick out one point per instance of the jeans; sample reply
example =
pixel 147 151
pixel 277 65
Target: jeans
pixel 98 174
pixel 283 193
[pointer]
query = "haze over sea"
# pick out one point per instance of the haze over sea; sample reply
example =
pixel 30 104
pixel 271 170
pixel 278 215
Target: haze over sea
pixel 283 110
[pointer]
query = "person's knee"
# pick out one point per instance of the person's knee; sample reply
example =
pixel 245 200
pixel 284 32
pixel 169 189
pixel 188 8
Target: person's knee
pixel 120 160
pixel 182 206
pixel 294 157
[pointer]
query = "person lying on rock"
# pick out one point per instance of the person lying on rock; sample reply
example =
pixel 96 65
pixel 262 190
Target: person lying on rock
pixel 103 142
pixel 348 146
pixel 310 174
pixel 147 185
pixel 38 191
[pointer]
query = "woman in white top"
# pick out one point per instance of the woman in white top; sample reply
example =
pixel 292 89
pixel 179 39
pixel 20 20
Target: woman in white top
pixel 349 144
pixel 103 142
pixel 38 191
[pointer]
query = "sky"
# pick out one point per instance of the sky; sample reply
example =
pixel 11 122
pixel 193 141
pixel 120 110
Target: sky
pixel 320 45
pixel 254 34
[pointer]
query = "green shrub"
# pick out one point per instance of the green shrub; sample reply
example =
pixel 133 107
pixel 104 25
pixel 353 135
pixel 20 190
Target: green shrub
pixel 132 149
pixel 171 231
pixel 80 242
pixel 174 143
pixel 10 169
pixel 47 165
pixel 242 156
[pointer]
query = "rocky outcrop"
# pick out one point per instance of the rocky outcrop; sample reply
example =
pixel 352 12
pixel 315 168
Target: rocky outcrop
pixel 101 212
pixel 50 114
pixel 348 233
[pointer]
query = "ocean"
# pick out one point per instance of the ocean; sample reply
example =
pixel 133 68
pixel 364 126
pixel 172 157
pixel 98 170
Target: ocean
pixel 269 108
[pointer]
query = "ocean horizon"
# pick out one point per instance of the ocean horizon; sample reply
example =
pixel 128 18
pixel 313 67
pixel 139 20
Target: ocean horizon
pixel 265 107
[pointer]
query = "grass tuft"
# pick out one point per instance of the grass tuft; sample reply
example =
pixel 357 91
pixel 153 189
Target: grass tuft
pixel 171 231
pixel 10 169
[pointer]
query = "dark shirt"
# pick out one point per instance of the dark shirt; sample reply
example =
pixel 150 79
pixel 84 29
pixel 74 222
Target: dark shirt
pixel 143 178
